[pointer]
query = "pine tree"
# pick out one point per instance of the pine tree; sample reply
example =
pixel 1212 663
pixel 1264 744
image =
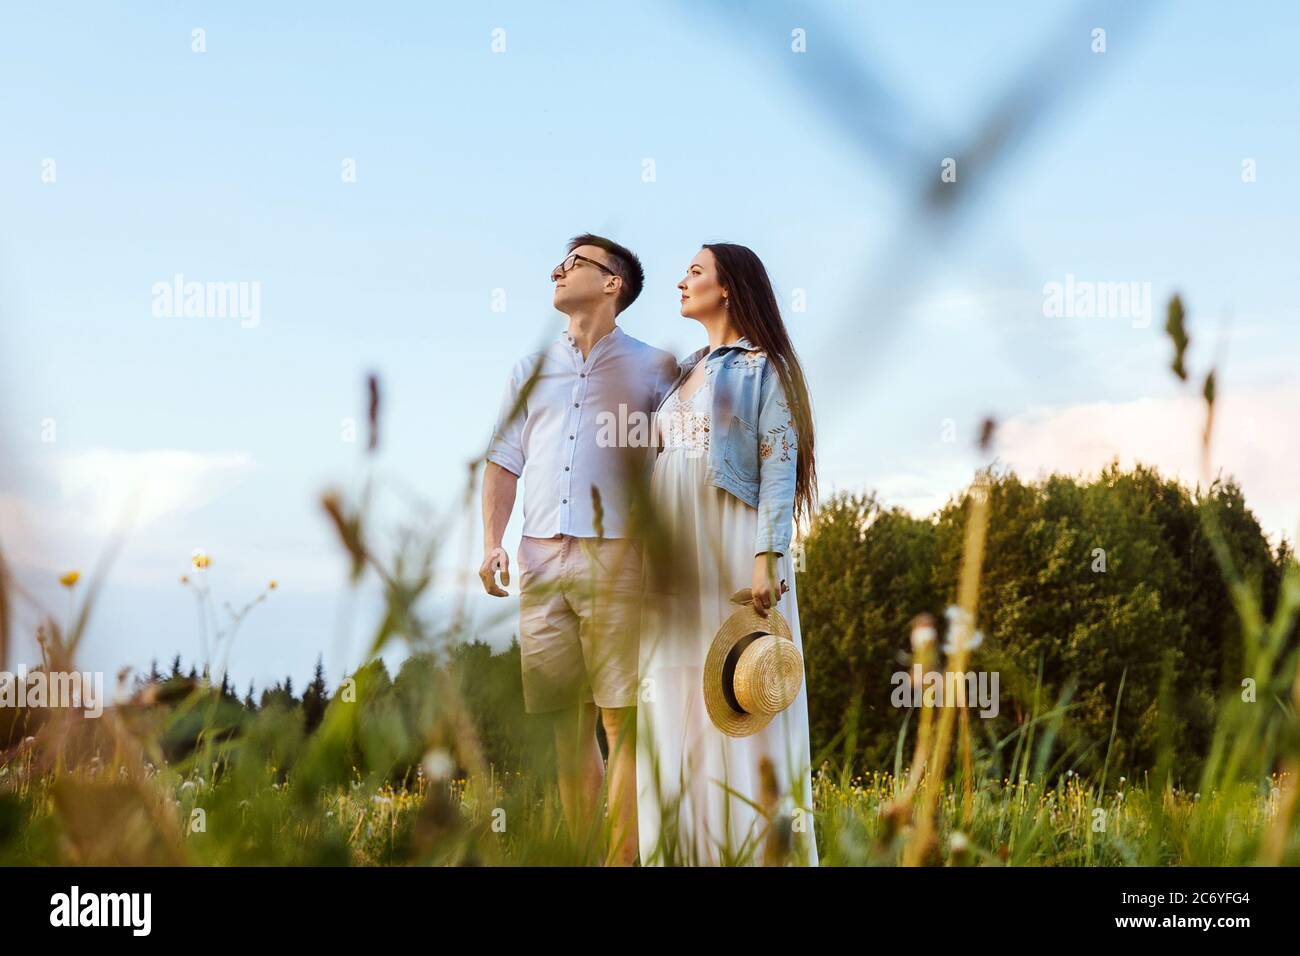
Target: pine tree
pixel 280 695
pixel 269 696
pixel 315 697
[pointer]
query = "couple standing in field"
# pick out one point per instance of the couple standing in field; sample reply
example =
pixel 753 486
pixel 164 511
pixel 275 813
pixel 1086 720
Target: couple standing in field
pixel 633 552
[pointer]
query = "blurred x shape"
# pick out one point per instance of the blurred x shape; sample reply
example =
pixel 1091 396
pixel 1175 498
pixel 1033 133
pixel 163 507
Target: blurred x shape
pixel 893 135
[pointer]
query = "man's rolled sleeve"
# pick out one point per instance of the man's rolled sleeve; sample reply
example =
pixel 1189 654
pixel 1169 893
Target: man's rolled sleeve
pixel 507 445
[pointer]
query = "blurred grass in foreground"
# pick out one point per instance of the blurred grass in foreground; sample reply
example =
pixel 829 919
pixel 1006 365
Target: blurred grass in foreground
pixel 452 822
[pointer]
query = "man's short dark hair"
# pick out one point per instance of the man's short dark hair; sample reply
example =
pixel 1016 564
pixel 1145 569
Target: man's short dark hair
pixel 622 260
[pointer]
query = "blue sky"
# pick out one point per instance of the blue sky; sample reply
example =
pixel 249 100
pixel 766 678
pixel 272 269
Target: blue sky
pixel 474 167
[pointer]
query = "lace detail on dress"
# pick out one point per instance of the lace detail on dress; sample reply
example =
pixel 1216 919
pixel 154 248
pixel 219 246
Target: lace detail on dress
pixel 685 424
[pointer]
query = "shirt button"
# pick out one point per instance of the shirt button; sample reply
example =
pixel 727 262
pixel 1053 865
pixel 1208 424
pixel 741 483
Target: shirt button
pixel 566 467
pixel 570 438
pixel 564 501
pixel 575 404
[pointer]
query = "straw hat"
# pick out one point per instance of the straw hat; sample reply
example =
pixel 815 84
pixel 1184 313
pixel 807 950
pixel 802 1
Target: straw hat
pixel 752 671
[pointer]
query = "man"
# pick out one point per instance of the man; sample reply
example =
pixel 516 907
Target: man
pixel 579 560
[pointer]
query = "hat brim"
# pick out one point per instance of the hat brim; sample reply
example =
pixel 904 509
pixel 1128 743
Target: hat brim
pixel 742 624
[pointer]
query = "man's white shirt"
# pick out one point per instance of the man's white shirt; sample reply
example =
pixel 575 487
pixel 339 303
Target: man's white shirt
pixel 583 425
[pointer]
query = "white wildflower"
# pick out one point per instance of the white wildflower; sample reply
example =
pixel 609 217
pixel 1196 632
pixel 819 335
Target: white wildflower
pixel 437 764
pixel 922 637
pixel 961 633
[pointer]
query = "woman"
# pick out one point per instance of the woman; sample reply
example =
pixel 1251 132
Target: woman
pixel 727 487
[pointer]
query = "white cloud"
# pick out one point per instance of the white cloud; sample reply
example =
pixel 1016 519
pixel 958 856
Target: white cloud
pixel 76 501
pixel 102 484
pixel 1254 440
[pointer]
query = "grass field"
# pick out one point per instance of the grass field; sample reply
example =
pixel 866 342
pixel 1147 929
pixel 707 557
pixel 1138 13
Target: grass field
pixel 514 820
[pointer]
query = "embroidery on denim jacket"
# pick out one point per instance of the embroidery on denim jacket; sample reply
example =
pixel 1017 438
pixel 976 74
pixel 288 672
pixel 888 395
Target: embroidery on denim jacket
pixel 767 444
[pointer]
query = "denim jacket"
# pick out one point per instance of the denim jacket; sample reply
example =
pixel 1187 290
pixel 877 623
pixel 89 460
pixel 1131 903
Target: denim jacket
pixel 752 446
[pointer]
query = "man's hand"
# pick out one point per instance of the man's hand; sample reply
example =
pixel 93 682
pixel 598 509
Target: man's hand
pixel 498 501
pixel 495 560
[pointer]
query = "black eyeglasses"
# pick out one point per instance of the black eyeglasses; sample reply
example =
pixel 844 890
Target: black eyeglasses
pixel 571 260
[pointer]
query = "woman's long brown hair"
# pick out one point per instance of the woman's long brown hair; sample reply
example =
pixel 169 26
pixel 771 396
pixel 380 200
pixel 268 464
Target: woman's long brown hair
pixel 755 313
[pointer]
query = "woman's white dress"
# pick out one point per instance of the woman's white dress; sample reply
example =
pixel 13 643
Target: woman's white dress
pixel 685 765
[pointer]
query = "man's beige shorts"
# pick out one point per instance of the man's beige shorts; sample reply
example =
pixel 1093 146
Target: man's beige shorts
pixel 579 621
